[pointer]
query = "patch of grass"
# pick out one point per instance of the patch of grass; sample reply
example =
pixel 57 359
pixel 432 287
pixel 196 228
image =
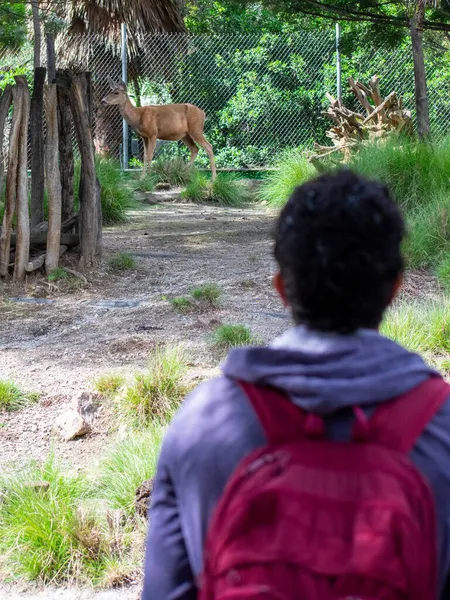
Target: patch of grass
pixel 58 275
pixel 414 171
pixel 109 384
pixel 181 303
pixel 122 262
pixel 293 169
pixel 174 171
pixel 13 398
pixel 209 292
pixel 226 190
pixel 157 393
pixel 443 271
pixel 146 183
pixel 116 191
pixel 421 327
pixel 230 336
pixel 197 188
pixel 128 464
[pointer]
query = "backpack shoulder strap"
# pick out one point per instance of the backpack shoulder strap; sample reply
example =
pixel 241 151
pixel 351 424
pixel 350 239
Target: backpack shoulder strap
pixel 281 419
pixel 398 424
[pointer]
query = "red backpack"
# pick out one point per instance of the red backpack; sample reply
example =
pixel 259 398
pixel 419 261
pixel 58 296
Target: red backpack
pixel 307 518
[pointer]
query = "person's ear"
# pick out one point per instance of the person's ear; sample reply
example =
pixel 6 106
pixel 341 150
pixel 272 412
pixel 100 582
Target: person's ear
pixel 278 284
pixel 397 287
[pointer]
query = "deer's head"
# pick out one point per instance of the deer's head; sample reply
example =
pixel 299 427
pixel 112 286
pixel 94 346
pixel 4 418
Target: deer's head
pixel 118 93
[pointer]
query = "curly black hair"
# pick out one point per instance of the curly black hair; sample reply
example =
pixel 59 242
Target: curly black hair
pixel 338 247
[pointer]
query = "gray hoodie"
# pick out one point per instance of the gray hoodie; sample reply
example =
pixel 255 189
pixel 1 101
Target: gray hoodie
pixel 216 428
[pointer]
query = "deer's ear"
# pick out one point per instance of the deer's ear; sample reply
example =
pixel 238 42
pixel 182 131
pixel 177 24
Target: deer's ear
pixel 123 85
pixel 111 83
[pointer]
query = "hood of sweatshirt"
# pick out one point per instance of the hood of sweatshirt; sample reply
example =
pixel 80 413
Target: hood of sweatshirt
pixel 323 372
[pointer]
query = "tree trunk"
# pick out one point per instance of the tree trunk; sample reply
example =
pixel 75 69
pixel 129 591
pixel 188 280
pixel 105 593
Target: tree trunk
pixel 53 179
pixel 420 82
pixel 11 180
pixel 51 57
pixel 37 148
pixel 23 216
pixel 5 103
pixel 88 193
pixel 66 162
pixel 37 32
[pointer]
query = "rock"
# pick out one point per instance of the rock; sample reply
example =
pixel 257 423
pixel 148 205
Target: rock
pixel 143 497
pixel 71 425
pixel 87 405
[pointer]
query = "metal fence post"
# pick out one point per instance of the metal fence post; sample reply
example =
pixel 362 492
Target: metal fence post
pixel 338 63
pixel 125 80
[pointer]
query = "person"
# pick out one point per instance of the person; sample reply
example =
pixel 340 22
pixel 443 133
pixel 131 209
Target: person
pixel 338 250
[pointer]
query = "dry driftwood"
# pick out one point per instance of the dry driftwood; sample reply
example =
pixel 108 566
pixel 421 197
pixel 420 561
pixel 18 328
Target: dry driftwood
pixel 90 206
pixel 65 226
pixel 37 147
pixel 53 179
pixel 11 180
pixel 38 261
pixel 23 216
pixel 352 129
pixel 66 161
pixel 5 103
pixel 40 239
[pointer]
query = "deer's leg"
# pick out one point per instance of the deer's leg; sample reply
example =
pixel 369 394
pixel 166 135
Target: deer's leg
pixel 151 144
pixel 144 166
pixel 189 142
pixel 203 142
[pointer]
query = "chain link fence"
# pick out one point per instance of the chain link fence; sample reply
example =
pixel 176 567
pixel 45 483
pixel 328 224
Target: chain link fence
pixel 262 93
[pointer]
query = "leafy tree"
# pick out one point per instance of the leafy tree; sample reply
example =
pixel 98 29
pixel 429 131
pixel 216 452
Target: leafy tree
pixel 13 24
pixel 415 16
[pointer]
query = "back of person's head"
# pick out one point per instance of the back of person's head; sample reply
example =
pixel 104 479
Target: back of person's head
pixel 338 247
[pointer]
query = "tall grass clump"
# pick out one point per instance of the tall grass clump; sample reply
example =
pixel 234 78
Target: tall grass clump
pixel 421 327
pixel 174 171
pixel 128 463
pixel 208 292
pixel 12 397
pixel 292 169
pixel 156 394
pixel 414 171
pixel 225 190
pixel 109 384
pixel 197 188
pixel 116 190
pixel 231 336
pixel 122 262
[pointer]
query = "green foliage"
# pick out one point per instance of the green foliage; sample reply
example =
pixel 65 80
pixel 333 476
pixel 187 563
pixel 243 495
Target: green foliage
pixel 13 398
pixel 225 190
pixel 145 183
pixel 109 384
pixel 157 393
pixel 174 171
pixel 128 464
pixel 58 275
pixel 13 26
pixel 122 262
pixel 209 292
pixel 293 169
pixel 181 304
pixel 422 327
pixel 231 336
pixel 443 271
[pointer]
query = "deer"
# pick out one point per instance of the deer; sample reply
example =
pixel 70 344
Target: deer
pixel 170 122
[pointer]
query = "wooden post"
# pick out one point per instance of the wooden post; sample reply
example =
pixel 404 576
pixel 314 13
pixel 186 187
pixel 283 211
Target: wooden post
pixel 11 179
pixel 23 216
pixel 5 103
pixel 66 162
pixel 88 194
pixel 37 148
pixel 52 178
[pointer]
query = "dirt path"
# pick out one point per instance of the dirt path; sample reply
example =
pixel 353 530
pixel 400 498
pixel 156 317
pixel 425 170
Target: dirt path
pixel 11 593
pixel 59 348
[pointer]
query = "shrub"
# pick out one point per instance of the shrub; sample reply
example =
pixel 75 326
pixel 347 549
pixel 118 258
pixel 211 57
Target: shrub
pixel 209 292
pixel 230 336
pixel 122 262
pixel 128 464
pixel 181 304
pixel 443 271
pixel 157 393
pixel 109 384
pixel 145 183
pixel 174 171
pixel 13 398
pixel 292 169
